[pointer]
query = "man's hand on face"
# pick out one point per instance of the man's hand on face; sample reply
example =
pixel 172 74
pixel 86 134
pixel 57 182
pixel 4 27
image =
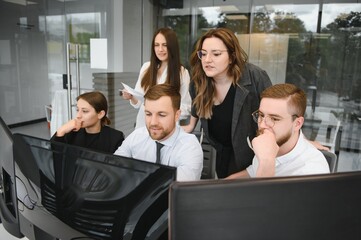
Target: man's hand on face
pixel 265 148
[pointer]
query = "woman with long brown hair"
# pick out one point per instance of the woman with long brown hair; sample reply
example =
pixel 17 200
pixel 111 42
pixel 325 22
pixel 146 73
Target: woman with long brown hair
pixel 164 67
pixel 225 90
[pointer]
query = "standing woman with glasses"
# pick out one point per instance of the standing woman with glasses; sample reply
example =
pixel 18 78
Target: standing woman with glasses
pixel 225 91
pixel 164 67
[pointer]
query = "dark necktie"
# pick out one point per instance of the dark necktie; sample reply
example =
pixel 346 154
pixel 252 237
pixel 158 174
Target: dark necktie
pixel 159 146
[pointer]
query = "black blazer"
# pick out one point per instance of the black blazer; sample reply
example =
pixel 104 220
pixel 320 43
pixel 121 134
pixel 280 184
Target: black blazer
pixel 108 141
pixel 247 98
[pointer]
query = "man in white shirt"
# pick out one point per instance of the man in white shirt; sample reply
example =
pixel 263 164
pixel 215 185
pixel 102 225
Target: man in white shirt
pixel 181 150
pixel 280 147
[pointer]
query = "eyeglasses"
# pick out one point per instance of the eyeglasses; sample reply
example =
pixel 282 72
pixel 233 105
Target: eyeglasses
pixel 270 121
pixel 202 54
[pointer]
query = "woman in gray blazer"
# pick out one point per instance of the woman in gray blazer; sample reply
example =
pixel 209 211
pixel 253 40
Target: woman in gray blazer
pixel 225 90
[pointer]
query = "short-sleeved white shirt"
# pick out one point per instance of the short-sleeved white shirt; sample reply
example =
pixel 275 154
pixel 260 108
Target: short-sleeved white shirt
pixel 303 159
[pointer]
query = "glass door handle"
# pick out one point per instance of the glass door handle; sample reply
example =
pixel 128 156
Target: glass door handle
pixel 69 87
pixel 77 46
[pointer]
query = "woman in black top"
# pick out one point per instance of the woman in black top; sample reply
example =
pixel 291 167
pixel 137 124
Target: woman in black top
pixel 225 90
pixel 89 128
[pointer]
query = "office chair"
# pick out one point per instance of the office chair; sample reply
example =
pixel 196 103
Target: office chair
pixel 331 160
pixel 209 155
pixel 338 145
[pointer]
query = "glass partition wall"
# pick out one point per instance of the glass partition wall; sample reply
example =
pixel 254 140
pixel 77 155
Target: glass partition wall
pixel 44 43
pixel 312 44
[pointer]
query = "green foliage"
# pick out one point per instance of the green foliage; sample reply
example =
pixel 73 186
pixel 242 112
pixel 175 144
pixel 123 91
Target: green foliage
pixel 338 44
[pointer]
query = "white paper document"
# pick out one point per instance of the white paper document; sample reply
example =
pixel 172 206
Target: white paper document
pixel 138 95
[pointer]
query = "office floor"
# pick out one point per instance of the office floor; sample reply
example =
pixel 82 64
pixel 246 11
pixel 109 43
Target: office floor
pixel 40 130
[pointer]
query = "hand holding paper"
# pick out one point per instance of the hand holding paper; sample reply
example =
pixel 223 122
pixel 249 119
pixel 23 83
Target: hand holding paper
pixel 138 95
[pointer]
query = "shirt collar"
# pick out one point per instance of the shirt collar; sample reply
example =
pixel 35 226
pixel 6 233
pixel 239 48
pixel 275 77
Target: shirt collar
pixel 172 139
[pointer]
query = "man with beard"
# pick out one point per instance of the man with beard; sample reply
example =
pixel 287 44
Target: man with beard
pixel 280 147
pixel 179 149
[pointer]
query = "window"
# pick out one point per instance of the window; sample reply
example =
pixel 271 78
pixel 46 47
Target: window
pixel 310 44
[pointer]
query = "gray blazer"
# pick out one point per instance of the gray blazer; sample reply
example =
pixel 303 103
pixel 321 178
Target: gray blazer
pixel 247 98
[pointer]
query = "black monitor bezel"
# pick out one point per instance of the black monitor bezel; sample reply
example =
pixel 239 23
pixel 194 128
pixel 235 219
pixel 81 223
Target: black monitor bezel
pixel 227 209
pixel 85 153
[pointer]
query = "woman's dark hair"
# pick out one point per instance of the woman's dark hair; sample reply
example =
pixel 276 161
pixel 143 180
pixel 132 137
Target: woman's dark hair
pixel 98 101
pixel 149 78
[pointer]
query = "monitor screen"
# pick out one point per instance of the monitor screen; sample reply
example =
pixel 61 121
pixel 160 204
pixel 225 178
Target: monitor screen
pixel 69 192
pixel 309 207
pixel 8 206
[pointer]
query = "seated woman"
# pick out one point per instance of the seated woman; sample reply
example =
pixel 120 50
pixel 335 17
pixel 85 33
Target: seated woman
pixel 89 128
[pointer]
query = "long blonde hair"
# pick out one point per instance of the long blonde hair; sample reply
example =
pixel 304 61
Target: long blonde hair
pixel 204 86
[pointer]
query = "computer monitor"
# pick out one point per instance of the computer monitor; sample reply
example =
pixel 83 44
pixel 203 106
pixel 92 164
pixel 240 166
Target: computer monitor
pixel 68 192
pixel 306 207
pixel 8 201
